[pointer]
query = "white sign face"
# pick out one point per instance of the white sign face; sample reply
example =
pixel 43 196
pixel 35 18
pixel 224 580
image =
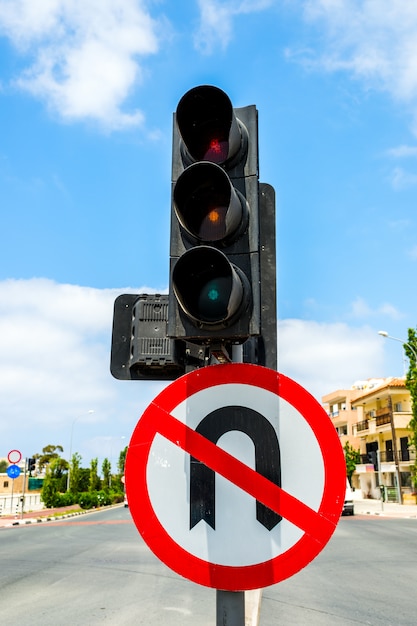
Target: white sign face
pixel 14 456
pixel 168 479
pixel 235 476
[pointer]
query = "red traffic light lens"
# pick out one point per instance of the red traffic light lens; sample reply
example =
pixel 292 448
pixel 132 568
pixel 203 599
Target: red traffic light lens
pixel 207 125
pixel 217 151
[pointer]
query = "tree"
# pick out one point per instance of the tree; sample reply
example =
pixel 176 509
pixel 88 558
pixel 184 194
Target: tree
pixel 106 469
pixel 3 466
pixel 117 484
pixel 410 349
pixel 122 461
pixel 352 458
pixel 75 473
pixel 95 482
pixel 54 482
pixel 49 453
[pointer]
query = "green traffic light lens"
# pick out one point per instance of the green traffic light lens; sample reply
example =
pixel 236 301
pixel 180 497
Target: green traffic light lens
pixel 213 299
pixel 213 294
pixel 210 290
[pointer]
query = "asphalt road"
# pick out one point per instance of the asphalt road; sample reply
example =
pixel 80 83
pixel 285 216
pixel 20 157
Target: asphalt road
pixel 366 575
pixel 95 569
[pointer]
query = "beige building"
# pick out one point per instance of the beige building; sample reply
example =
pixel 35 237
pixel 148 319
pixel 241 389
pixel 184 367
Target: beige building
pixel 19 493
pixel 374 416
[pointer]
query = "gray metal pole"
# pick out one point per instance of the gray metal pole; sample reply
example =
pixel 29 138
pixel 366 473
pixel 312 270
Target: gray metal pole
pixel 230 605
pixel 230 608
pixel 378 456
pixel 23 491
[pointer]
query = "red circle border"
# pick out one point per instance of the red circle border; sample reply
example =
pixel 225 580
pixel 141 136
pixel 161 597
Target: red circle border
pixel 234 578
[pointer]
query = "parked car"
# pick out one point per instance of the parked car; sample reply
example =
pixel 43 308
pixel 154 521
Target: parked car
pixel 348 506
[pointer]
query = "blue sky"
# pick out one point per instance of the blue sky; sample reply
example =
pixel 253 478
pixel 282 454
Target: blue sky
pixel 87 92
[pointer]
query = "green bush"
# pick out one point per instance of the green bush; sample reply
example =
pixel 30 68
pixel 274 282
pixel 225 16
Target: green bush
pixel 88 499
pixel 66 499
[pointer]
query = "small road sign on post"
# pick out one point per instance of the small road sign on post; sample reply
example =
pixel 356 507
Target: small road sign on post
pixel 13 471
pixel 14 456
pixel 235 477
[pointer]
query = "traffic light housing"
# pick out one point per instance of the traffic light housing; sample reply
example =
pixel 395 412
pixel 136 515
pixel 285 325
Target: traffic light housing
pixel 214 295
pixel 222 285
pixel 31 465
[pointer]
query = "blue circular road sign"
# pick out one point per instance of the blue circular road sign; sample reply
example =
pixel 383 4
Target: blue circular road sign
pixel 13 471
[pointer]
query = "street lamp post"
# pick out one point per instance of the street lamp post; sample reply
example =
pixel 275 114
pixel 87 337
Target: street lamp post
pixel 384 333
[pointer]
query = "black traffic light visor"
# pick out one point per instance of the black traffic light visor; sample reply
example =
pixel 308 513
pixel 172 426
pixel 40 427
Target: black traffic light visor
pixel 207 206
pixel 207 125
pixel 211 291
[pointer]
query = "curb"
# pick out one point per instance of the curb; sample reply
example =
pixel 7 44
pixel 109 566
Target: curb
pixel 49 518
pixel 383 514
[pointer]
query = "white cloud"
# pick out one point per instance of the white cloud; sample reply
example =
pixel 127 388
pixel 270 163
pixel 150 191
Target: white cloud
pixel 55 367
pixel 373 43
pixel 362 310
pixel 402 179
pixel 413 253
pixel 325 357
pixel 84 54
pixel 404 151
pixel 216 21
pixel 377 45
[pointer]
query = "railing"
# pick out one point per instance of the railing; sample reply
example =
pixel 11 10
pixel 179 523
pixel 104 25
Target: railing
pixel 383 419
pixel 364 425
pixel 387 456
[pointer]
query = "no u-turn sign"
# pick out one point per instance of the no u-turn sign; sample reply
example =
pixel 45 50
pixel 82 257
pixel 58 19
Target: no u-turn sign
pixel 235 477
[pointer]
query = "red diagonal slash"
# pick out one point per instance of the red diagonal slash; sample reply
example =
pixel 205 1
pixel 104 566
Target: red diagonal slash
pixel 311 522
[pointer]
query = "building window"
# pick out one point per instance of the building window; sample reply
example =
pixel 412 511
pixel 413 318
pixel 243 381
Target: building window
pixel 398 407
pixel 6 484
pixel 342 430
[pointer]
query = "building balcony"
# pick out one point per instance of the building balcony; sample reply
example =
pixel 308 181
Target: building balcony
pixel 381 422
pixel 361 426
pixel 386 456
pixel 404 456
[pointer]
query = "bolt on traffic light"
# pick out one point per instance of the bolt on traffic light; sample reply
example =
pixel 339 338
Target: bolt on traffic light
pixel 215 246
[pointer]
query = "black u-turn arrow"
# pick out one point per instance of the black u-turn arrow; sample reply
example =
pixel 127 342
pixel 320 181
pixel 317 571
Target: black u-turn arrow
pixel 267 461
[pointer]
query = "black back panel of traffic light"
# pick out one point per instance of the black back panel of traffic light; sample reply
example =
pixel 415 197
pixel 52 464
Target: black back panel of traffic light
pixel 141 349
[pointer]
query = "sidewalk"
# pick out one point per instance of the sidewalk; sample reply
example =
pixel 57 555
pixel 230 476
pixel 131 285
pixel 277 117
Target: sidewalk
pixel 44 515
pixel 385 509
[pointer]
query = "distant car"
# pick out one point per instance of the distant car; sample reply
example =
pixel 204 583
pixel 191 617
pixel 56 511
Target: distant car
pixel 126 503
pixel 348 506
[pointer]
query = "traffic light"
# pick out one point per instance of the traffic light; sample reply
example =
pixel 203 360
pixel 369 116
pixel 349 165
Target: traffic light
pixel 215 293
pixel 222 285
pixel 31 465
